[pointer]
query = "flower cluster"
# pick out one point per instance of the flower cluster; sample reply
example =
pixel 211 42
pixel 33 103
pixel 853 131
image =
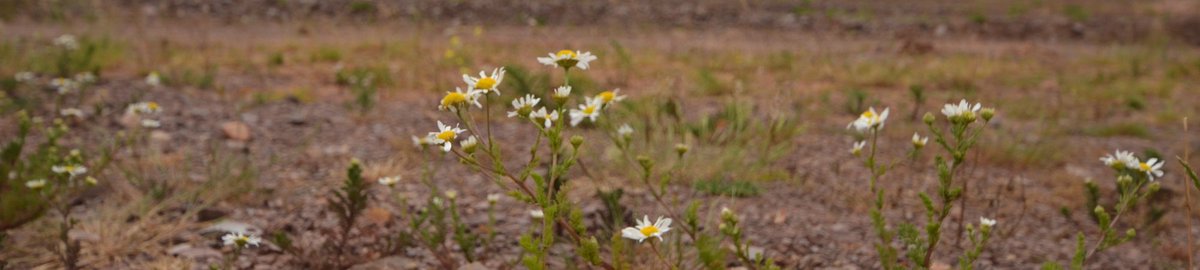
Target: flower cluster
pixel 143 111
pixel 1124 160
pixel 528 107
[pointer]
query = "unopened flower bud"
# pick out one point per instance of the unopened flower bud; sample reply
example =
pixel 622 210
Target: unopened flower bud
pixel 987 113
pixel 576 141
pixel 928 118
pixel 681 149
pixel 645 162
pixel 91 181
pixel 1154 187
pixel 450 194
pixel 470 144
pixel 1124 180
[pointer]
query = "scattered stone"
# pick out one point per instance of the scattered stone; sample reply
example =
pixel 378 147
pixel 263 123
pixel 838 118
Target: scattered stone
pixel 237 131
pixel 210 214
pixel 388 263
pixel 160 136
pixel 194 253
pixel 228 226
pixel 473 266
pixel 377 215
pixel 780 217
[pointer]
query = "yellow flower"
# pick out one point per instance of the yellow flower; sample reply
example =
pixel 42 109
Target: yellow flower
pixel 523 106
pixel 459 99
pixel 568 59
pixel 148 107
pixel 547 117
pixel 589 110
pixel 389 180
pixel 645 229
pixel 240 240
pixel 72 169
pixel 869 120
pixel 485 82
pixel 609 97
pixel 445 135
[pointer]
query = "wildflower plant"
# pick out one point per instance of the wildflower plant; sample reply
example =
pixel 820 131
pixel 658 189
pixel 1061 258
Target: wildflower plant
pixel 44 180
pixel 238 241
pixel 961 136
pixel 1135 182
pixel 474 145
pixel 349 202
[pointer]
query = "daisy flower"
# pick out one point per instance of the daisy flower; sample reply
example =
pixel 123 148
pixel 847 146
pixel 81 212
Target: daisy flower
pixel 869 120
pixel 72 169
pixel 645 229
pixel 548 118
pixel 986 222
pixel 1152 168
pixel 389 181
pixel 589 109
pixel 445 135
pixel 454 100
pixel 962 112
pixel 625 130
pixel 918 141
pixel 421 141
pixel 64 85
pixel 858 147
pixel 1121 159
pixel 524 105
pixel 493 198
pixel 609 97
pixel 71 112
pixel 150 123
pixel 568 59
pixel 66 42
pixel 152 79
pixel 240 240
pixel 86 77
pixel 484 82
pixel 149 107
pixel 451 194
pixel 562 92
pixel 24 76
pixel 35 184
pixel 468 144
pixel 537 214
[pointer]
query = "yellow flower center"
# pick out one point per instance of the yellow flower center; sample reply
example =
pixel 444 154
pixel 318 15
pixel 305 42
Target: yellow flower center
pixel 607 96
pixel 649 230
pixel 1144 166
pixel 566 54
pixel 868 114
pixel 485 83
pixel 152 106
pixel 454 98
pixel 447 135
pixel 589 110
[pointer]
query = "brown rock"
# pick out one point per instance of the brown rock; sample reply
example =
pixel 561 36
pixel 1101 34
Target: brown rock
pixel 237 131
pixel 473 266
pixel 388 263
pixel 378 216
